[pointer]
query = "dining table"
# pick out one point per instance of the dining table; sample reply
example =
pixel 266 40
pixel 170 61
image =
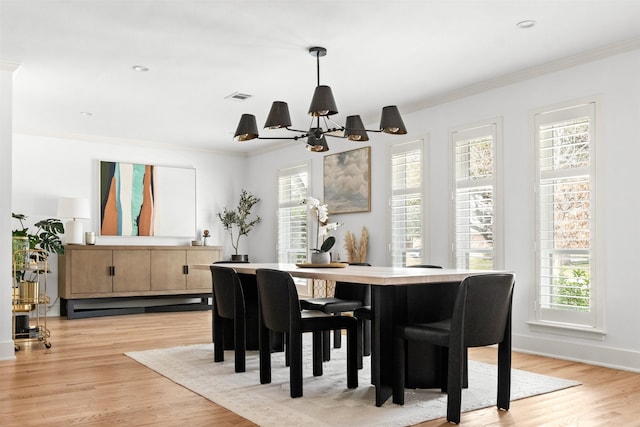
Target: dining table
pixel 398 294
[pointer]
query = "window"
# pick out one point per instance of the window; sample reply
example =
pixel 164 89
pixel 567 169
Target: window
pixel 293 187
pixel 565 223
pixel 475 202
pixel 407 240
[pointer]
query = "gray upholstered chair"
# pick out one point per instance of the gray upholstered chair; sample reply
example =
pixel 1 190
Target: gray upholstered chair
pixel 481 316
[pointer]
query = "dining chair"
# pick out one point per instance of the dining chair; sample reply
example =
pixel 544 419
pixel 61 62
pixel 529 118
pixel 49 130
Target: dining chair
pixel 280 312
pixel 230 306
pixel 347 297
pixel 481 316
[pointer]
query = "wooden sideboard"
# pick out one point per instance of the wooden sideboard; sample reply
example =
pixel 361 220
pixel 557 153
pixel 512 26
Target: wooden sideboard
pixel 110 277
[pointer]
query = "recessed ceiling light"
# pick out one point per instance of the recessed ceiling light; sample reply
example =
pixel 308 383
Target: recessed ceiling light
pixel 86 113
pixel 140 68
pixel 523 25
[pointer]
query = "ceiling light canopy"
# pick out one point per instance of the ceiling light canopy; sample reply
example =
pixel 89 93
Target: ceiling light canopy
pixel 323 105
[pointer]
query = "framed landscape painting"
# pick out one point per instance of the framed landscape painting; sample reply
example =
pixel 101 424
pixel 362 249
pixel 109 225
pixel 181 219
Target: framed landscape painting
pixel 347 181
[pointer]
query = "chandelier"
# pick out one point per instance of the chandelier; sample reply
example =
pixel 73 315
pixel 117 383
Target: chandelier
pixel 323 106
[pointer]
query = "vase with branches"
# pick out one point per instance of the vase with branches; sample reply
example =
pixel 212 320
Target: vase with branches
pixel 356 252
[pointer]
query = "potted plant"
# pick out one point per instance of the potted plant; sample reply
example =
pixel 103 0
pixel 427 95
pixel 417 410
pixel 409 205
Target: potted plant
pixel 323 226
pixel 238 223
pixel 46 238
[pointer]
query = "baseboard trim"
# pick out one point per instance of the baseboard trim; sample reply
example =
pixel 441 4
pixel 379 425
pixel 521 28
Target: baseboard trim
pixel 7 351
pixel 608 357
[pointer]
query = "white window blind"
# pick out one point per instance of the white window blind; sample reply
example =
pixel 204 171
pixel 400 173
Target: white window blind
pixel 474 198
pixel 293 187
pixel 565 215
pixel 407 204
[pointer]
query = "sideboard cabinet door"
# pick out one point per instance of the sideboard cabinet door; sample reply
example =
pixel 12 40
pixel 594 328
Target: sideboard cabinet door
pixel 132 270
pixel 91 272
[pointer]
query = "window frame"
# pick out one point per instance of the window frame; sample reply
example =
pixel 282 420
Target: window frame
pixel 405 147
pixel 490 127
pixel 304 286
pixel 564 322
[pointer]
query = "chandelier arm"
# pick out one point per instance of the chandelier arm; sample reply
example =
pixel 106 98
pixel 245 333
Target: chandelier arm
pixel 281 137
pixel 304 132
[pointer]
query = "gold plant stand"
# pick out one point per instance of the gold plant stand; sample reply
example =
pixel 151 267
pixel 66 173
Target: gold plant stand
pixel 29 297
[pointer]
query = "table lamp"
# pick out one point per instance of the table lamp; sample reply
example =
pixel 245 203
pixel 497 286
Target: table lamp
pixel 73 208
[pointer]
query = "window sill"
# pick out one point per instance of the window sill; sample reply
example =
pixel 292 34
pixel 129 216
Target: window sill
pixel 567 330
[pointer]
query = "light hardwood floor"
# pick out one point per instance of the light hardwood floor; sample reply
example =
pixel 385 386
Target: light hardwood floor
pixel 85 380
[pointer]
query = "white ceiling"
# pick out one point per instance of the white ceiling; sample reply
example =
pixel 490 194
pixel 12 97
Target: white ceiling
pixel 77 56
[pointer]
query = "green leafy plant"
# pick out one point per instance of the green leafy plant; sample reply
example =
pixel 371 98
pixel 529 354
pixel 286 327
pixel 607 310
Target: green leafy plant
pixel 238 220
pixel 46 236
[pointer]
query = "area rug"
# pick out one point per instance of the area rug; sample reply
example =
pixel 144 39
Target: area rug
pixel 327 401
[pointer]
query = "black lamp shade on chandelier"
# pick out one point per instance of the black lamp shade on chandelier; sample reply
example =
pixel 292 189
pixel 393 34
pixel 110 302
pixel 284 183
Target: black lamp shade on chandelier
pixel 278 117
pixel 316 141
pixel 323 105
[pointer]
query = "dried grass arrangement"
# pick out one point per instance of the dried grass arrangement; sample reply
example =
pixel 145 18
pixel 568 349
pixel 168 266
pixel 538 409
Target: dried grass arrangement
pixel 356 252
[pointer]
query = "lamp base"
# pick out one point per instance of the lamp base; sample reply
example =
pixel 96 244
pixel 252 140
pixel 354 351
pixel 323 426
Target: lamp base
pixel 73 233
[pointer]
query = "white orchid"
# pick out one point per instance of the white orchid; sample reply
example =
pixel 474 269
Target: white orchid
pixel 321 214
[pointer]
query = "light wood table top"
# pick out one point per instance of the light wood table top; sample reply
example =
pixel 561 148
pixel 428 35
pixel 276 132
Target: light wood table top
pixel 383 276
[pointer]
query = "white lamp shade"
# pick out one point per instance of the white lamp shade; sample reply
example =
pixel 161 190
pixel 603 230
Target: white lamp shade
pixel 69 207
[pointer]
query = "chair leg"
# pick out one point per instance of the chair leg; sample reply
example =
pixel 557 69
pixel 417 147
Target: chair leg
pixel 326 346
pixel 317 353
pixel 504 375
pixel 360 342
pixel 295 369
pixel 264 345
pixel 240 344
pixel 454 385
pixel 287 351
pixel 352 357
pixel 337 336
pixel 367 338
pixel 399 344
pixel 218 343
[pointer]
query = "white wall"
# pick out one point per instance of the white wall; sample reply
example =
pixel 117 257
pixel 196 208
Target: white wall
pixel 45 169
pixel 615 80
pixel 219 182
pixel 6 100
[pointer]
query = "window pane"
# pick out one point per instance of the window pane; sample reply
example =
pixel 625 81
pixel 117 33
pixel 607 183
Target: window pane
pixel 565 213
pixel 474 228
pixel 564 145
pixel 406 205
pixel 565 240
pixel 292 216
pixel 474 159
pixel 474 199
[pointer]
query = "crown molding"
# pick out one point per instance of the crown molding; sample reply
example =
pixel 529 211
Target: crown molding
pixel 125 142
pixel 6 65
pixel 527 74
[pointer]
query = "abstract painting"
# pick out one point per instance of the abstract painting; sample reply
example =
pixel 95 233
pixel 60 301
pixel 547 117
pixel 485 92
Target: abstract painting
pixel 347 181
pixel 146 200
